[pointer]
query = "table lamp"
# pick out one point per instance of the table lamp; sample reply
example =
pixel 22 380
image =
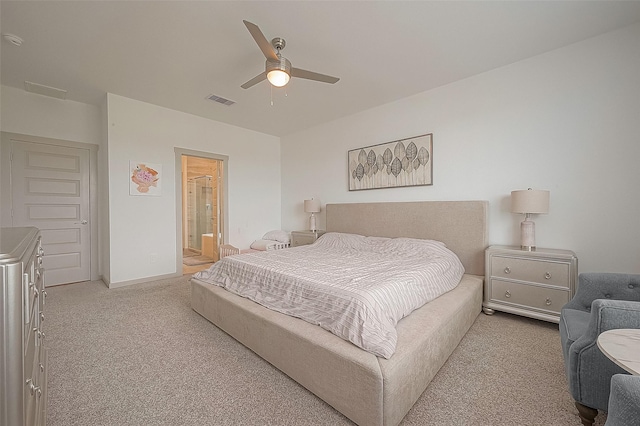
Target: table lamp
pixel 312 206
pixel 528 202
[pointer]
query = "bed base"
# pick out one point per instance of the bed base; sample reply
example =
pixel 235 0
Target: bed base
pixel 366 389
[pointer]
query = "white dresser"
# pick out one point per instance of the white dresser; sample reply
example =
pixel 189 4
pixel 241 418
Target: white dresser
pixel 535 284
pixel 23 356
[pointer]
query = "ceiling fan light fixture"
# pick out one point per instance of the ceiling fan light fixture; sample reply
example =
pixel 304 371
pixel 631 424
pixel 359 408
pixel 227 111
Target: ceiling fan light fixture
pixel 279 72
pixel 278 78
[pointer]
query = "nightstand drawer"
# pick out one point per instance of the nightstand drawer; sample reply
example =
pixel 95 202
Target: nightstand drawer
pixel 302 239
pixel 528 295
pixel 532 270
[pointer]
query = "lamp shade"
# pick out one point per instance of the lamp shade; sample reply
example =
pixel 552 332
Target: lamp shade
pixel 530 201
pixel 311 206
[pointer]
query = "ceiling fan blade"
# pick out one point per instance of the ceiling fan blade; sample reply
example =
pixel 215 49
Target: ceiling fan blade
pixel 264 45
pixel 255 80
pixel 310 75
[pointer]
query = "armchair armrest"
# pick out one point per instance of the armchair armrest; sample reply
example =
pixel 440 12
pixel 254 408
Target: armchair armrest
pixel 623 401
pixel 611 314
pixel 614 286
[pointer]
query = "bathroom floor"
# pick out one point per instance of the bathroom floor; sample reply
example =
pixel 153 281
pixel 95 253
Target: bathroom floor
pixel 192 269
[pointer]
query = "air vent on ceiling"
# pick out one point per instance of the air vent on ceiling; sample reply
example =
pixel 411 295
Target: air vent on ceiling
pixel 41 89
pixel 220 100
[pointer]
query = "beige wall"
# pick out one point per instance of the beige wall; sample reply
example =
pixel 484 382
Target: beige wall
pixel 566 121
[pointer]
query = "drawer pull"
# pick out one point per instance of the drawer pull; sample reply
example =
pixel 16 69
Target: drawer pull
pixel 507 270
pixel 507 293
pixel 41 316
pixel 25 297
pixel 547 276
pixel 33 389
pixel 35 291
pixel 548 302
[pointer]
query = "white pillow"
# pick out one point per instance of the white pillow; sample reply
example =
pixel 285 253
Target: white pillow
pixel 281 236
pixel 263 245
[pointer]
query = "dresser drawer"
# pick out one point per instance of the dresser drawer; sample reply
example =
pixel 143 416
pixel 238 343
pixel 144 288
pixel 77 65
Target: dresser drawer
pixel 532 270
pixel 44 372
pixel 31 394
pixel 548 299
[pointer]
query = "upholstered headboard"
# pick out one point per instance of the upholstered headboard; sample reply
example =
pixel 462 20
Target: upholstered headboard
pixel 461 225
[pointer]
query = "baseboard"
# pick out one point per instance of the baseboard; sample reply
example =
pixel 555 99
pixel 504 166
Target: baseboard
pixel 142 280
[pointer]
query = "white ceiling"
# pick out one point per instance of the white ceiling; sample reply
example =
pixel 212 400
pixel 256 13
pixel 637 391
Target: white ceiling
pixel 176 53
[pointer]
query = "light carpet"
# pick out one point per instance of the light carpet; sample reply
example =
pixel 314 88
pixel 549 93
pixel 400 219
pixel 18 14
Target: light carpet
pixel 139 355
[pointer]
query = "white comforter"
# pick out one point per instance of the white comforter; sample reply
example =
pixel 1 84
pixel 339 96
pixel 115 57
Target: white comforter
pixel 356 287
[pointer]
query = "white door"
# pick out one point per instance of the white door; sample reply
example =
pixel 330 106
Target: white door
pixel 50 190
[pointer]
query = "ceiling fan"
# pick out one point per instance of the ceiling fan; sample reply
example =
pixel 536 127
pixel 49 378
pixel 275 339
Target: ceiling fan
pixel 278 69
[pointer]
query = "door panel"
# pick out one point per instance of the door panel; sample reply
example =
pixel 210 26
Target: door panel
pixel 61 236
pixel 50 190
pixel 53 262
pixel 52 212
pixel 59 187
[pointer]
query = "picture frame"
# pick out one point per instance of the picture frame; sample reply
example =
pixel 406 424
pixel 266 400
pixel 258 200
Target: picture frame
pixel 145 178
pixel 400 163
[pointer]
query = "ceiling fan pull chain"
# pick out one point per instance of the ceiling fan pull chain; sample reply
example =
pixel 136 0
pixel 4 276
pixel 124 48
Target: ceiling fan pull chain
pixel 271 94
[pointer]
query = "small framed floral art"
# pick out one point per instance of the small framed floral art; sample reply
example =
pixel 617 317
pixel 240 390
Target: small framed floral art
pixel 406 162
pixel 145 178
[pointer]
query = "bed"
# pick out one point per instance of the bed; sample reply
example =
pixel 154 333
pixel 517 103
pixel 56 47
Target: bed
pixel 368 389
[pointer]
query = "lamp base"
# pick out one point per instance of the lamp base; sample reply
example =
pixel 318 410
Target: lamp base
pixel 528 234
pixel 312 223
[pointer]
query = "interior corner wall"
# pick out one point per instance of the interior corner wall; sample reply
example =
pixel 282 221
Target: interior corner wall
pixel 143 228
pixel 103 195
pixel 567 121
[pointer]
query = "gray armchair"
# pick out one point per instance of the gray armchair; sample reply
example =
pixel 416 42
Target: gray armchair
pixel 602 302
pixel 624 401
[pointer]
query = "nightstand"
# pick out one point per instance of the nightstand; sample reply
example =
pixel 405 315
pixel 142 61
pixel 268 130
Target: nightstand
pixel 534 284
pixel 302 238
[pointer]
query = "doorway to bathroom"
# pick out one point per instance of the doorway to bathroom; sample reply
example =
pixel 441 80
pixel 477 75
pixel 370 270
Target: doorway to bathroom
pixel 202 211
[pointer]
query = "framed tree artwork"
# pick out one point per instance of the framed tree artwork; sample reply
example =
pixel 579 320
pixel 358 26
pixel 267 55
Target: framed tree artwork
pixel 406 162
